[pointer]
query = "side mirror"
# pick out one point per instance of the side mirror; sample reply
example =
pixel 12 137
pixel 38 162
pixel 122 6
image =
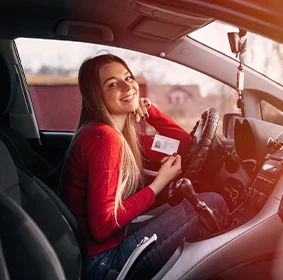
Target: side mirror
pixel 229 124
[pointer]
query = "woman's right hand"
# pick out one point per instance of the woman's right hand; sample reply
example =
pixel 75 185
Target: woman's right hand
pixel 142 111
pixel 170 169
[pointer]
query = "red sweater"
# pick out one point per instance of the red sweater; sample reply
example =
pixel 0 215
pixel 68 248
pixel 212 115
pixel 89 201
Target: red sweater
pixel 92 178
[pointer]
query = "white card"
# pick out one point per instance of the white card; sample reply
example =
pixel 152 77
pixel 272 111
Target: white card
pixel 165 144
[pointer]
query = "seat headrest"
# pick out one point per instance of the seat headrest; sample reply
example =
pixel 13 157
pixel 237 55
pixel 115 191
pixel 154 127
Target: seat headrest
pixel 8 174
pixel 8 90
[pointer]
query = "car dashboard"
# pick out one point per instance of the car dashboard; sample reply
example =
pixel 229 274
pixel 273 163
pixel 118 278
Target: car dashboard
pixel 249 155
pixel 248 246
pixel 251 136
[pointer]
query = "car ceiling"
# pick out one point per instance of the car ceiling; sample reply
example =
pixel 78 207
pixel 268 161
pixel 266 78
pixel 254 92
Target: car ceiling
pixel 129 24
pixel 148 26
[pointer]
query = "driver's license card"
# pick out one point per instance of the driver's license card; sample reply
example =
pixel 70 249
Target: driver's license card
pixel 165 144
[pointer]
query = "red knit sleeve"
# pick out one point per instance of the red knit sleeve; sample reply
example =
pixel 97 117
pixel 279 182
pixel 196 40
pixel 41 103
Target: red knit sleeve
pixel 166 127
pixel 103 161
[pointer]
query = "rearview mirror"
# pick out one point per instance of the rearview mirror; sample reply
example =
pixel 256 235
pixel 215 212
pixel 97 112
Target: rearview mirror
pixel 234 42
pixel 238 44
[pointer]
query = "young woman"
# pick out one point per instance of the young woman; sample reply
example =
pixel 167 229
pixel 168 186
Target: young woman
pixel 104 185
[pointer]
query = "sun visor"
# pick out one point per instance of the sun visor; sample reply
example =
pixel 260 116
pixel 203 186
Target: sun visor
pixel 84 30
pixel 154 29
pixel 164 24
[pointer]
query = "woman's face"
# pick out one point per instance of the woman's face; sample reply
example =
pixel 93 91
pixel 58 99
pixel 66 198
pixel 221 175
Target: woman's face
pixel 120 90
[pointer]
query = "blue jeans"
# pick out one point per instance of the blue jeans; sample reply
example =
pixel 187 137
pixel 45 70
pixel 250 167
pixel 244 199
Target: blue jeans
pixel 171 225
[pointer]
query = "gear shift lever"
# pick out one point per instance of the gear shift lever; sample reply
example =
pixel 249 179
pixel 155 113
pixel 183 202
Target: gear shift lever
pixel 206 215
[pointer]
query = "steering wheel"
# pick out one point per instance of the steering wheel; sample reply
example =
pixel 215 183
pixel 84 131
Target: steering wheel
pixel 203 134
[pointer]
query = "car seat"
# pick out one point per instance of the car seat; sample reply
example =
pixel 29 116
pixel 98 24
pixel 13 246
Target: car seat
pixel 17 144
pixel 47 211
pixel 4 274
pixel 27 252
pixel 22 197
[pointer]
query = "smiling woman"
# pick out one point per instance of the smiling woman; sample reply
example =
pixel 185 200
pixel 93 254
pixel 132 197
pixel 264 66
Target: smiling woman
pixel 104 170
pixel 113 172
pixel 120 89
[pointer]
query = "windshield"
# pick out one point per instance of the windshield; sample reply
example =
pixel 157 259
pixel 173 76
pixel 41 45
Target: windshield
pixel 264 55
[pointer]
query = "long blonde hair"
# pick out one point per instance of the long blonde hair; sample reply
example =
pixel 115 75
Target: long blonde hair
pixel 94 109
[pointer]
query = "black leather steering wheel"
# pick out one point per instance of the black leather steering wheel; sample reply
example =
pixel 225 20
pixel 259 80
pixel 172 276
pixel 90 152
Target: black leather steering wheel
pixel 203 134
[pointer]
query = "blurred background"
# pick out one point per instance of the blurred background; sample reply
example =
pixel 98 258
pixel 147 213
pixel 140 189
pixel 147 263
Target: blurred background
pixel 51 68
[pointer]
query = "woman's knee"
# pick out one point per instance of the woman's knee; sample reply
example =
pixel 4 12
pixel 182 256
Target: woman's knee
pixel 216 202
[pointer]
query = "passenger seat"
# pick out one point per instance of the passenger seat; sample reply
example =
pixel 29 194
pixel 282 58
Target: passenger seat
pixel 47 211
pixel 18 146
pixel 26 251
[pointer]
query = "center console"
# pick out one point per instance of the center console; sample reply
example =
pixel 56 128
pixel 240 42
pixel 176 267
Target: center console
pixel 258 193
pixel 245 248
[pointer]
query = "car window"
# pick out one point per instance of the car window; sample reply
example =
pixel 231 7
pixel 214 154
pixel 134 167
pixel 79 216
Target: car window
pixel 271 113
pixel 263 55
pixel 51 69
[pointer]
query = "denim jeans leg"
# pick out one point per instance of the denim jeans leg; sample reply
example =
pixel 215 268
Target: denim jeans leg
pixel 173 226
pixel 97 266
pixel 147 218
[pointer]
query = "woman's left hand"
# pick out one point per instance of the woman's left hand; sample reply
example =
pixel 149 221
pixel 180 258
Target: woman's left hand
pixel 142 112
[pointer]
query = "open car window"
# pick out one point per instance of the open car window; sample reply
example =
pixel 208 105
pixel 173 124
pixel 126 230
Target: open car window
pixel 51 69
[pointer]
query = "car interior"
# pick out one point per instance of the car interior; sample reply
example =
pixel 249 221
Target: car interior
pixel 242 160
